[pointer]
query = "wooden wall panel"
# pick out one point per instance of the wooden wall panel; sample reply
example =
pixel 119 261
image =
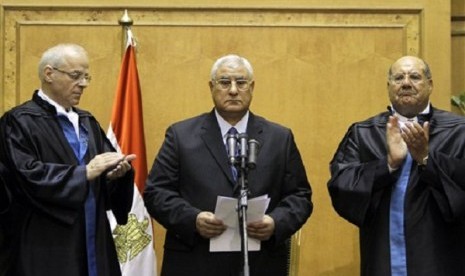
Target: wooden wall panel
pixel 317 70
pixel 458 48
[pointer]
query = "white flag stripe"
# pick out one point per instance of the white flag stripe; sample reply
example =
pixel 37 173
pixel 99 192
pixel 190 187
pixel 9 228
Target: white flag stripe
pixel 145 263
pixel 134 241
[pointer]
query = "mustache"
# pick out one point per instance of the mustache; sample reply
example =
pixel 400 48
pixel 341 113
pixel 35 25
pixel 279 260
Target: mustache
pixel 407 92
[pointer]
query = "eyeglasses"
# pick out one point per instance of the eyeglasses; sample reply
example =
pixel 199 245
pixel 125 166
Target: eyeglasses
pixel 413 77
pixel 75 75
pixel 226 84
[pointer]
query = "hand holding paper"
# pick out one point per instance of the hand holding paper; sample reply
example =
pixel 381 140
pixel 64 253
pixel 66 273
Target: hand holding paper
pixel 262 229
pixel 226 210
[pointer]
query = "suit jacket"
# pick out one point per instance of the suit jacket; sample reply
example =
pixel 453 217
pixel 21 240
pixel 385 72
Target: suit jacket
pixel 191 170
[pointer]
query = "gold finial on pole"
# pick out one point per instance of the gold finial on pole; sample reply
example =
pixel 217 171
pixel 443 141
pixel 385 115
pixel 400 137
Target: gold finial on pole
pixel 125 20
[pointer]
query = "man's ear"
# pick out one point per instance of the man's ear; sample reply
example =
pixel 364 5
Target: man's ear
pixel 252 86
pixel 48 70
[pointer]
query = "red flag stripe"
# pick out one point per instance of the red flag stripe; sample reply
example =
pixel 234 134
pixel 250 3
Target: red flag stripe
pixel 126 119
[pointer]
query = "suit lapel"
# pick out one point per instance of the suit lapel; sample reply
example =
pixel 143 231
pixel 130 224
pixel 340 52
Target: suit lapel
pixel 255 128
pixel 211 136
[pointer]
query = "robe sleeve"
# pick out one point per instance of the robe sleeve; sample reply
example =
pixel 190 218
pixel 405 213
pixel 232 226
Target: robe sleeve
pixel 57 189
pixel 5 197
pixel 357 181
pixel 445 177
pixel 121 192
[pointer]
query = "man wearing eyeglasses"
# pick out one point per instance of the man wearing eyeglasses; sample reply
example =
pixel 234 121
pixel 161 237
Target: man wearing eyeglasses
pixel 400 177
pixel 192 170
pixel 64 176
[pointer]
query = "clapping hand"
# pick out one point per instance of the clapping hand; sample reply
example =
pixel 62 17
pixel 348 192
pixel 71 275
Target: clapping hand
pixel 115 164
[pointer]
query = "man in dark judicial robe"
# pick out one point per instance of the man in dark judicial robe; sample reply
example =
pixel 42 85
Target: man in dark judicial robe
pixel 5 229
pixel 369 162
pixel 192 169
pixel 65 175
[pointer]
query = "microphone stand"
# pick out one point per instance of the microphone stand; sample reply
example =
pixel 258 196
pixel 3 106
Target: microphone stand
pixel 248 151
pixel 242 213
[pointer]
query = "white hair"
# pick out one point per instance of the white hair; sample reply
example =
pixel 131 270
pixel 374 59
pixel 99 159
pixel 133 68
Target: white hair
pixel 56 55
pixel 232 61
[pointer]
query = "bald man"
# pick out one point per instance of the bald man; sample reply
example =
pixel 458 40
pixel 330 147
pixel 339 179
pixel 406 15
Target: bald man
pixel 400 177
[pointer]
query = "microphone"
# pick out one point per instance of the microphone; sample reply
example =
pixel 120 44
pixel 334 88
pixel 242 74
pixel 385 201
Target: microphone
pixel 243 144
pixel 231 141
pixel 254 148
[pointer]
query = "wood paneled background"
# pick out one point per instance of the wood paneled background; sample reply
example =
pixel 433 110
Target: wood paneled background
pixel 318 66
pixel 458 47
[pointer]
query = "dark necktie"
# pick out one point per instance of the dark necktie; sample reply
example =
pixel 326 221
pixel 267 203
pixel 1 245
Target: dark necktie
pixel 396 221
pixel 233 131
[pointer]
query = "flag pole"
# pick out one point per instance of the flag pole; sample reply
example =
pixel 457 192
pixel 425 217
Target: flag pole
pixel 126 22
pixel 134 240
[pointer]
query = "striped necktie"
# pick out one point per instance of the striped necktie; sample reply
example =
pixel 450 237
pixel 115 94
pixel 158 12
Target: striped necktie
pixel 233 131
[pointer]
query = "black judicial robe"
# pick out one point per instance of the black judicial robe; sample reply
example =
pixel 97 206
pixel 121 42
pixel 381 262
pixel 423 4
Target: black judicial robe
pixel 49 189
pixel 5 231
pixel 360 189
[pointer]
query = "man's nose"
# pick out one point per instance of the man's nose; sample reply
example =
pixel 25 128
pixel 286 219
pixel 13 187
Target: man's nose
pixel 233 88
pixel 83 82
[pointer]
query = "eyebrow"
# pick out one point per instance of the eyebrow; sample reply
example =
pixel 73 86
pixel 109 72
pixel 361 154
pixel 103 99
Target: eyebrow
pixel 409 72
pixel 232 77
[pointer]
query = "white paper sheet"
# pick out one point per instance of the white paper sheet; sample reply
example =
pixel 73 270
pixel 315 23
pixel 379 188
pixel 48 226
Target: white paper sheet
pixel 226 210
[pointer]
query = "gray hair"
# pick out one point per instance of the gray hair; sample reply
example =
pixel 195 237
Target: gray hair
pixel 57 55
pixel 232 61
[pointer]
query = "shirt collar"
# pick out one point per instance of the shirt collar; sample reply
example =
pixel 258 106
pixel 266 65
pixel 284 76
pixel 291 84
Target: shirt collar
pixel 72 116
pixel 241 126
pixel 403 119
pixel 60 109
